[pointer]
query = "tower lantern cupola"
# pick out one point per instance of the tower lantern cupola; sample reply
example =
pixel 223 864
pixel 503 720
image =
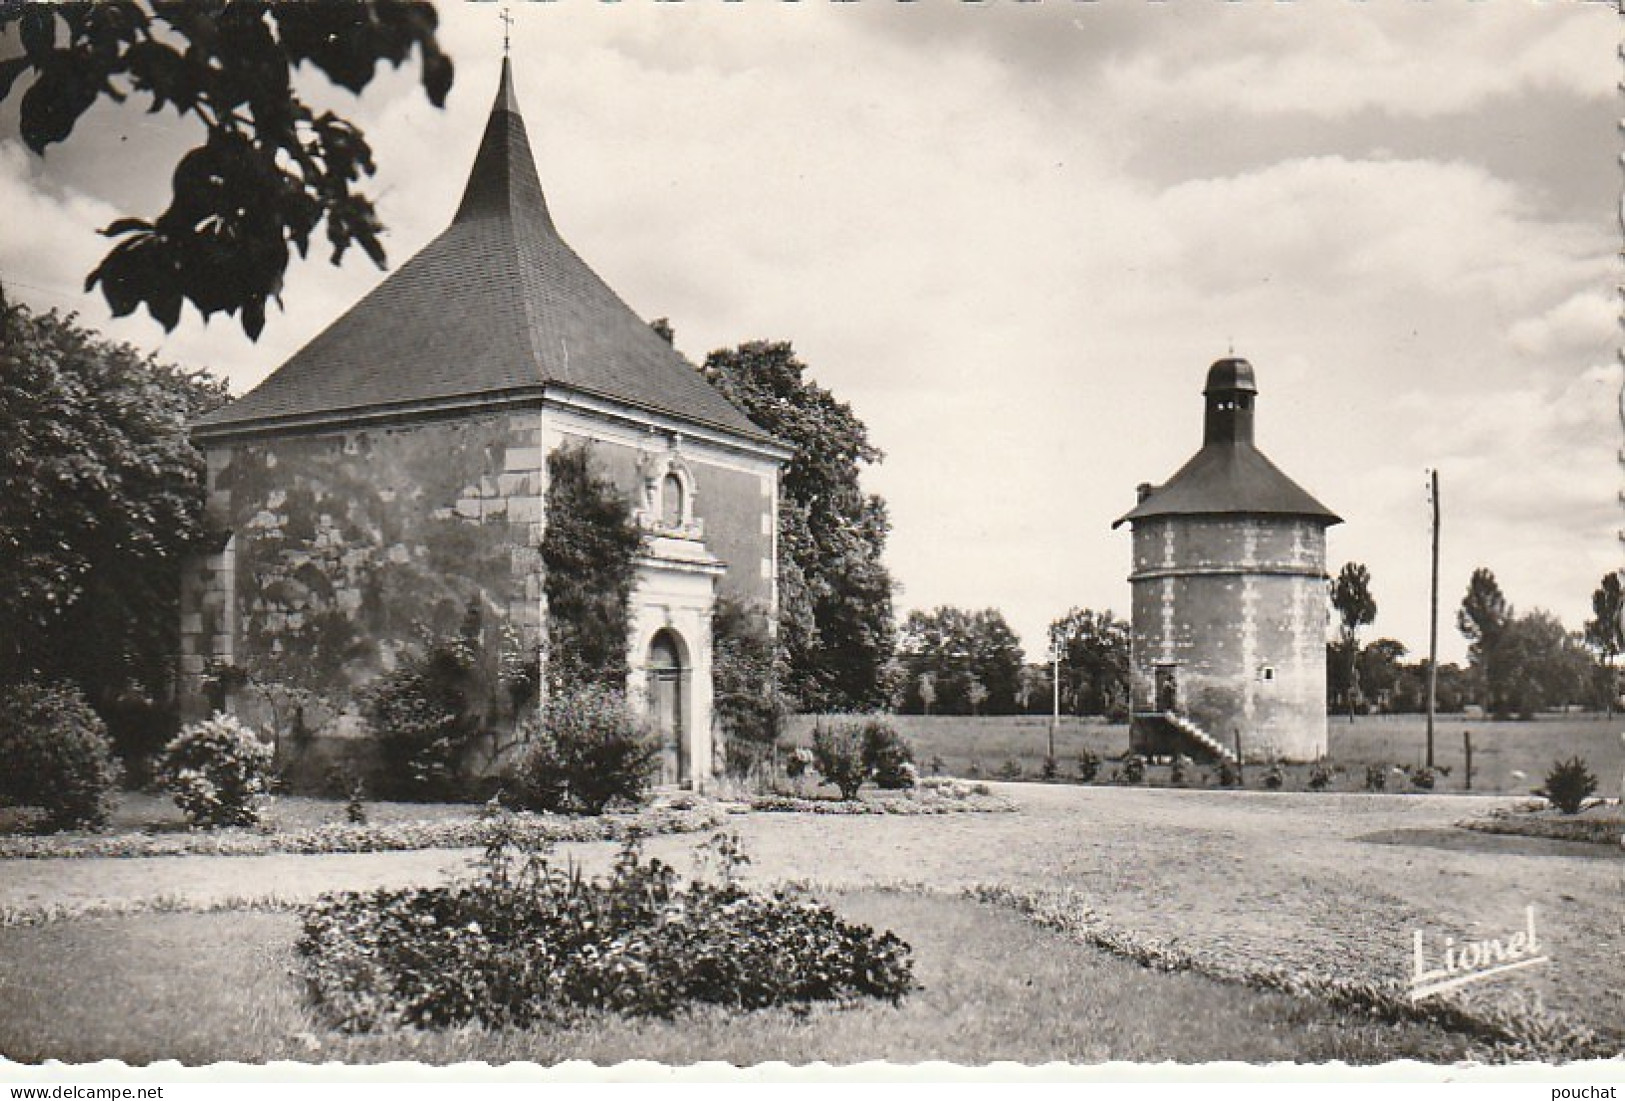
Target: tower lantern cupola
pixel 1230 393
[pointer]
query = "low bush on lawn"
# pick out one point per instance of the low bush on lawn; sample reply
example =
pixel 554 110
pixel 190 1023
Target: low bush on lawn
pixel 57 756
pixel 533 943
pixel 1568 785
pixel 848 754
pixel 219 772
pixel 587 751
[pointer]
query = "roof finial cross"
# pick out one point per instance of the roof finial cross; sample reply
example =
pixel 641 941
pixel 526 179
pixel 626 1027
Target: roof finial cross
pixel 507 22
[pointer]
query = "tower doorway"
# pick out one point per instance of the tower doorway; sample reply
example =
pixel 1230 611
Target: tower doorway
pixel 1167 688
pixel 666 676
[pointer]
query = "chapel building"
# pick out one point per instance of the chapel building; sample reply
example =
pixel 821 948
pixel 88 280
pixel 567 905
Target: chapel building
pixel 392 474
pixel 1229 593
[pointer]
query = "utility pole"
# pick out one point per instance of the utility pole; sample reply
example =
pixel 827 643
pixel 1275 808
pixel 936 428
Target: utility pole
pixel 1433 617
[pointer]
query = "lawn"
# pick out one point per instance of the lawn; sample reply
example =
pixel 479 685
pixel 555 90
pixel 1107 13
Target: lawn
pixel 982 745
pixel 1323 884
pixel 207 987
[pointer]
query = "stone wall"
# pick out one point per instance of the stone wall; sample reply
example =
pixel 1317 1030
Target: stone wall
pixel 340 549
pixel 1236 608
pixel 347 546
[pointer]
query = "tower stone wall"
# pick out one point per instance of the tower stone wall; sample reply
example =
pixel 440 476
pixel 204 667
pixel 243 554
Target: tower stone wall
pixel 1233 611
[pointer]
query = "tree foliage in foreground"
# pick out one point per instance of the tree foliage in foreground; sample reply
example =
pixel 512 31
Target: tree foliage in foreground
pixel 101 496
pixel 835 594
pixel 270 169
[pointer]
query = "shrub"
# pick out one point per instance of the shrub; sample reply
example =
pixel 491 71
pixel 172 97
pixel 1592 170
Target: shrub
pixel 423 715
pixel 1320 776
pixel 355 806
pixel 1422 778
pixel 838 756
pixel 887 758
pixel 1274 779
pixel 1049 771
pixel 1010 769
pixel 1568 785
pixel 1376 778
pixel 532 943
pixel 937 766
pixel 798 762
pixel 1229 773
pixel 217 770
pixel 1179 771
pixel 586 750
pixel 1088 765
pixel 57 756
pixel 1133 769
pixel 974 769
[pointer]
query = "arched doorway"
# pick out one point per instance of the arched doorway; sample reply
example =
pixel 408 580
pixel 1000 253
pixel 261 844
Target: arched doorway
pixel 666 678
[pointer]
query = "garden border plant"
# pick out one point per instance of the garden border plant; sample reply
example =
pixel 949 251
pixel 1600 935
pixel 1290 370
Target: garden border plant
pixel 347 837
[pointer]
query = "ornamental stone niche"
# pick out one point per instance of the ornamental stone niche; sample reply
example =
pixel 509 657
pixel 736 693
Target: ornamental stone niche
pixel 1229 597
pixel 393 473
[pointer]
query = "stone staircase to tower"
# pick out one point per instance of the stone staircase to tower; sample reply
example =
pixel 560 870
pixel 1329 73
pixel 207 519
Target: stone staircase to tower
pixel 1171 732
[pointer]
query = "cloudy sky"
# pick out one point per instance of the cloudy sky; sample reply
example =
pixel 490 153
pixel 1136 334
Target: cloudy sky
pixel 1014 235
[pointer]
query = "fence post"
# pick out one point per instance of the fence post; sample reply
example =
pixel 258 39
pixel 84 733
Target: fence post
pixel 1241 769
pixel 1467 748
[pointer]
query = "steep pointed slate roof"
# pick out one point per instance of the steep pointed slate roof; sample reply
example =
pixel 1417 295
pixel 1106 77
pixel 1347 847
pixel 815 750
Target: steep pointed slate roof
pixel 1230 478
pixel 497 304
pixel 1229 475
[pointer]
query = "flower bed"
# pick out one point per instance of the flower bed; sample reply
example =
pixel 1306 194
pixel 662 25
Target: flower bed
pixel 1598 825
pixel 345 837
pixel 932 796
pixel 530 942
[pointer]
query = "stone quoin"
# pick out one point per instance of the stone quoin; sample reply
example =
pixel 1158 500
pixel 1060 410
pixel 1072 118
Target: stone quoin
pixel 1229 597
pixel 393 472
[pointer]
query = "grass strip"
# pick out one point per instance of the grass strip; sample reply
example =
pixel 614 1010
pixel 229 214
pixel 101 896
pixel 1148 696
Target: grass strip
pixel 1513 1033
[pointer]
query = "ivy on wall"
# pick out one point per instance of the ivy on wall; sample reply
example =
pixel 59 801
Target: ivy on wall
pixel 589 551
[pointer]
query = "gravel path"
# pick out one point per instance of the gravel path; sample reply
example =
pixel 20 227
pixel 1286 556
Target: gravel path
pixel 1324 881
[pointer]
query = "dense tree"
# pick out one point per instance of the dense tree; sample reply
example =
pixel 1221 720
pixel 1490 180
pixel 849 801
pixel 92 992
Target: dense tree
pixel 972 660
pixel 1482 618
pixel 1537 664
pixel 1094 663
pixel 270 169
pixel 835 593
pixel 589 549
pixel 1351 596
pixel 1605 633
pixel 1381 669
pixel 101 496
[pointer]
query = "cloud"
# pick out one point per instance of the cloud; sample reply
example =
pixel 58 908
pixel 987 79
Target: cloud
pixel 1014 236
pixel 1582 323
pixel 1401 59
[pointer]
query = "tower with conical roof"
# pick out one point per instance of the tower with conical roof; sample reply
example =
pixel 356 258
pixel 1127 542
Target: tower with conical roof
pixel 1229 596
pixel 391 477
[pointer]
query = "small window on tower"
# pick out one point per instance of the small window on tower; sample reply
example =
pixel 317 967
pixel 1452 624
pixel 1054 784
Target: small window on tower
pixel 671 501
pixel 1266 672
